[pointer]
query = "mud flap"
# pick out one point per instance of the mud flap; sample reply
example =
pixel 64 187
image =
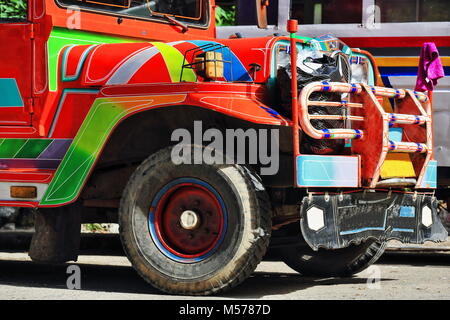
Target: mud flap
pixel 336 221
pixel 57 236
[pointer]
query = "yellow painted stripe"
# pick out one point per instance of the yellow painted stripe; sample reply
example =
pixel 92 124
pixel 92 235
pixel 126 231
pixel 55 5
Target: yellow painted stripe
pixel 405 61
pixel 174 60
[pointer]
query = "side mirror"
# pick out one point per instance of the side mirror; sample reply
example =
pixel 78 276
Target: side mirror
pixel 261 13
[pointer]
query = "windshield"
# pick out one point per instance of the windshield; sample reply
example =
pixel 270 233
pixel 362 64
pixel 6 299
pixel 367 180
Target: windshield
pixel 189 10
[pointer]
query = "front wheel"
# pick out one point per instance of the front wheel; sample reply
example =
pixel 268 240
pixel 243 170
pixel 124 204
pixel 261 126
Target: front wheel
pixel 194 229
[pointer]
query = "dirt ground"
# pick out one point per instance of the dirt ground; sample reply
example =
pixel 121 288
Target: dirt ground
pixel 409 275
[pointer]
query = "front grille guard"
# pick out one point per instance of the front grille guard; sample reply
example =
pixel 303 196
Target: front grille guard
pixel 368 124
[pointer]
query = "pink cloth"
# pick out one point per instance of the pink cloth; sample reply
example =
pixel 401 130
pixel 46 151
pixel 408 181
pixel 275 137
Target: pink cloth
pixel 430 68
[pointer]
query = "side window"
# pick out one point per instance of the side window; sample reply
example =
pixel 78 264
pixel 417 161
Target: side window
pixel 188 10
pixel 326 11
pixel 11 11
pixel 414 10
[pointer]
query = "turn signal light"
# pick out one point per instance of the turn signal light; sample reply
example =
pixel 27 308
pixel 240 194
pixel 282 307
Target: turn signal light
pixel 23 192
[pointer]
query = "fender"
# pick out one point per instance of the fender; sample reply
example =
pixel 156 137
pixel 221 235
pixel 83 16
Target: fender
pixel 116 103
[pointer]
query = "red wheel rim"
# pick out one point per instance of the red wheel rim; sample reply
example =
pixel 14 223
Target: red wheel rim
pixel 205 221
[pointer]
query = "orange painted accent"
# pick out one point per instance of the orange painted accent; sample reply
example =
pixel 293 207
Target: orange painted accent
pixel 151 100
pixel 111 5
pixel 405 61
pixel 292 26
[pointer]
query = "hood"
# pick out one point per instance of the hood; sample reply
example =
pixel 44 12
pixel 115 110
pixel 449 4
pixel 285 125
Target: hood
pixel 138 63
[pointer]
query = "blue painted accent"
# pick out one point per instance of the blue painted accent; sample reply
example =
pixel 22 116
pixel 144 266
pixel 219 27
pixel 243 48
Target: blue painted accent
pixel 327 171
pixel 327 134
pixel 80 63
pixel 234 72
pixel 391 145
pixel 151 219
pixel 9 93
pixel 407 212
pixel 430 177
pixel 419 147
pixel 402 230
pixel 395 134
pixel 343 233
pixel 271 112
pixel 392 117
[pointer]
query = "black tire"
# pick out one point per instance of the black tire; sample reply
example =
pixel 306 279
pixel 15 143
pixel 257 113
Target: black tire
pixel 244 235
pixel 332 263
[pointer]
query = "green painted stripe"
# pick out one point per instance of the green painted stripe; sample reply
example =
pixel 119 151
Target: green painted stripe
pixel 174 61
pixel 83 151
pixel 33 148
pixel 22 148
pixel 10 147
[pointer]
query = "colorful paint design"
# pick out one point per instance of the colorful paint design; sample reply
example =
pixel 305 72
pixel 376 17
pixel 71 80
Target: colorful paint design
pixel 233 71
pixel 66 77
pixel 127 70
pixel 61 37
pixel 32 153
pixel 104 115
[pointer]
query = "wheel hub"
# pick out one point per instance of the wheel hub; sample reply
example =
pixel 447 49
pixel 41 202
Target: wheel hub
pixel 189 220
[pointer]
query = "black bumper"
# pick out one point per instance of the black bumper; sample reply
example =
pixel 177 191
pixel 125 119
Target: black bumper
pixel 354 217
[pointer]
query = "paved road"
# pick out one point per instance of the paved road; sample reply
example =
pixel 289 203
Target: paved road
pixel 403 276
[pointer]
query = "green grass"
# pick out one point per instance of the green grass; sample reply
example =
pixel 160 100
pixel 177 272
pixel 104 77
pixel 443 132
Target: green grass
pixel 13 9
pixel 225 16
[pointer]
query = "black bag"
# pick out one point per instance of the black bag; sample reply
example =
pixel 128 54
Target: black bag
pixel 328 72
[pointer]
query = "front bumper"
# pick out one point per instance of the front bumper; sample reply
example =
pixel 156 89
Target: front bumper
pixel 336 221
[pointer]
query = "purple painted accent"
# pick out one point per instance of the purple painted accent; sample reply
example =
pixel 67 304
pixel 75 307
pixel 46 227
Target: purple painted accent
pixel 29 164
pixel 56 150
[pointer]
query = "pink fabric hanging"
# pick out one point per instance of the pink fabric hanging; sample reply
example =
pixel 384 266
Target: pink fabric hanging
pixel 430 68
